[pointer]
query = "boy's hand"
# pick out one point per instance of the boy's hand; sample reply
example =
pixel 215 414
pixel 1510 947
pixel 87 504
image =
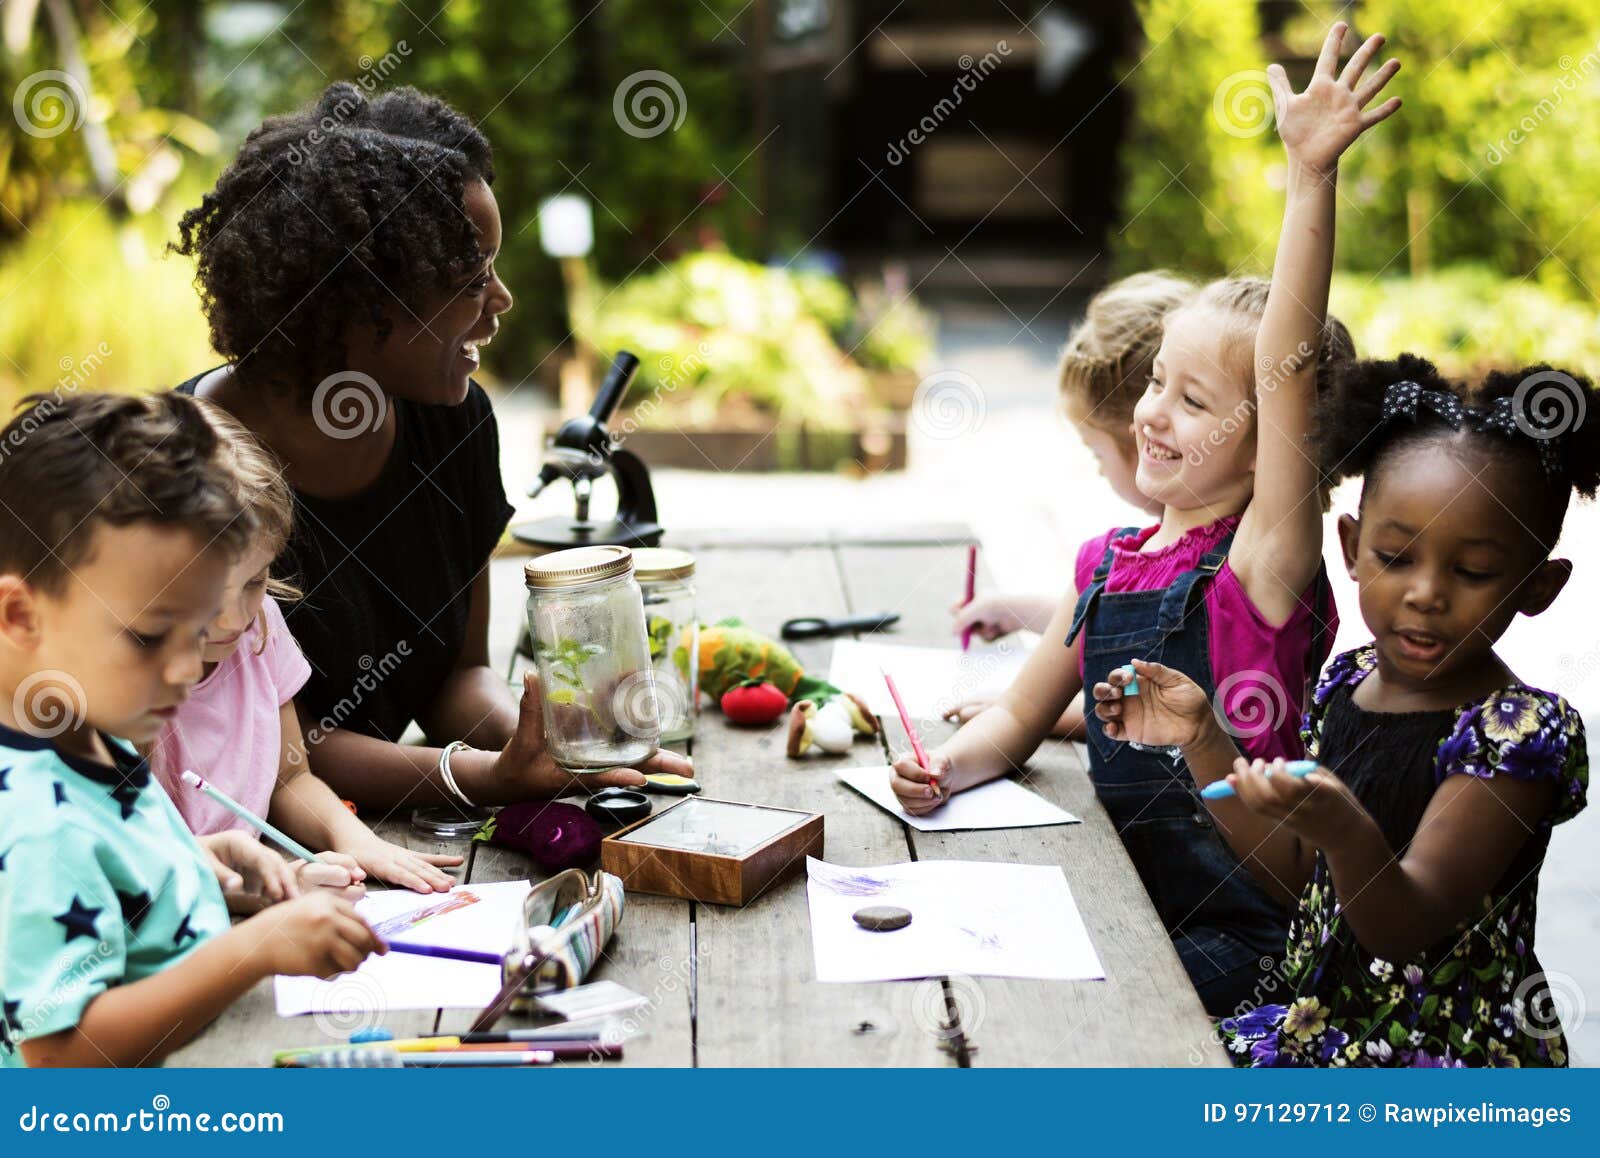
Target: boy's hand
pixel 246 866
pixel 1170 710
pixel 317 935
pixel 339 875
pixel 418 871
pixel 1318 125
pixel 525 770
pixel 988 615
pixel 918 790
pixel 1319 807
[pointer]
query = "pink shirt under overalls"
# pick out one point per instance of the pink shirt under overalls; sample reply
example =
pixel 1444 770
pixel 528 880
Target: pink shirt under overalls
pixel 1259 669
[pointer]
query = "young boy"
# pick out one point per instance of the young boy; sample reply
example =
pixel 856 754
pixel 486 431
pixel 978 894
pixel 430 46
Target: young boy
pixel 115 542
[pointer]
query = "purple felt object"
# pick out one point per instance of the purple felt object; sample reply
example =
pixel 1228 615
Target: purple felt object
pixel 556 836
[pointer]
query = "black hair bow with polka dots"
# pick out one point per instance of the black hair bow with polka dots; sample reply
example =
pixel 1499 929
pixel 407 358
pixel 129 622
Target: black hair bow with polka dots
pixel 1406 398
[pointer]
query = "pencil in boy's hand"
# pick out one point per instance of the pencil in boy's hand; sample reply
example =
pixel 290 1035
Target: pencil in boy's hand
pixel 972 592
pixel 270 831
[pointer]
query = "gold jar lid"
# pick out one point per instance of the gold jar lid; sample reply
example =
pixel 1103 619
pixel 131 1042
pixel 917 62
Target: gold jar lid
pixel 577 567
pixel 662 564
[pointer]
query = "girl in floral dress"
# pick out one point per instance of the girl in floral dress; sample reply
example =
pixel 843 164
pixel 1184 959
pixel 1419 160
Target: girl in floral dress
pixel 1413 850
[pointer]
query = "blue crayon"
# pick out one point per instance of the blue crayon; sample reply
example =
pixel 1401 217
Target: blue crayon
pixel 1221 789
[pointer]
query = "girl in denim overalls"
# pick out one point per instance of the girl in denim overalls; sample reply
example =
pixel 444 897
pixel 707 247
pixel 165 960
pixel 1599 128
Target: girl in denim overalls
pixel 1229 586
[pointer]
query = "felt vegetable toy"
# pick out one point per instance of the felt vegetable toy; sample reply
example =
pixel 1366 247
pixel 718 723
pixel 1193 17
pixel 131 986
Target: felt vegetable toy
pixel 733 656
pixel 555 836
pixel 754 702
pixel 831 726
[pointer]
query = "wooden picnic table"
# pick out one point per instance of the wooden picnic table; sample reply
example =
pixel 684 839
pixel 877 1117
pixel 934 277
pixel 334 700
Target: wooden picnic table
pixel 735 987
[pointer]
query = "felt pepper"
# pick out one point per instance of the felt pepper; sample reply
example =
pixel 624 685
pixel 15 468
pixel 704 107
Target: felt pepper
pixel 754 702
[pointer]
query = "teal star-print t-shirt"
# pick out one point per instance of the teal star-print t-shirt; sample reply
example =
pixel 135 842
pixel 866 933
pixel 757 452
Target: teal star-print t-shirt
pixel 101 884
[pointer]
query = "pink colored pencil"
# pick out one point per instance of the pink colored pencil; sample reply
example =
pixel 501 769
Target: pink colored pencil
pixel 905 720
pixel 972 591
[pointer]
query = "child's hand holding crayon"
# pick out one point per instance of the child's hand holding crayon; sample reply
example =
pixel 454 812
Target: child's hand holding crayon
pixel 1319 807
pixel 1169 710
pixel 316 935
pixel 920 790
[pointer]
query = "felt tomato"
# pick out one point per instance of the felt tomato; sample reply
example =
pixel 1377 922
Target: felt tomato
pixel 754 702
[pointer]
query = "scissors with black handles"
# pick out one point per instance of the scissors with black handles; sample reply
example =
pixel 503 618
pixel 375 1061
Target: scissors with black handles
pixel 815 627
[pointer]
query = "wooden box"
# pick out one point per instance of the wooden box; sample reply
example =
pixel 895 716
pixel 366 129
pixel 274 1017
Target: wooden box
pixel 720 851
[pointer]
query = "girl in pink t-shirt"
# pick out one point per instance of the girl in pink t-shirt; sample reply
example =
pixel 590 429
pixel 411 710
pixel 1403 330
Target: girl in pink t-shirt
pixel 1227 587
pixel 238 727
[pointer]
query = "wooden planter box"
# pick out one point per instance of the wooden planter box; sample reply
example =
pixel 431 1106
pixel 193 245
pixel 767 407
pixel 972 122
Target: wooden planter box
pixel 877 444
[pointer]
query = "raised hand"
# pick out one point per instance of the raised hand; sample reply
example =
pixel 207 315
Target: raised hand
pixel 1170 710
pixel 1319 124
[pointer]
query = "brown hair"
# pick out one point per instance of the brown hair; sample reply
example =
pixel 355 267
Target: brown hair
pixel 255 476
pixel 1106 361
pixel 69 464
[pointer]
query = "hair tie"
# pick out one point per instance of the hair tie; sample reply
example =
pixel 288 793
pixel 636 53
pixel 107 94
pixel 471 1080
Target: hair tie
pixel 1405 398
pixel 1502 418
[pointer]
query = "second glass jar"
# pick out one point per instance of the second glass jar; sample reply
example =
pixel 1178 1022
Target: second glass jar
pixel 666 576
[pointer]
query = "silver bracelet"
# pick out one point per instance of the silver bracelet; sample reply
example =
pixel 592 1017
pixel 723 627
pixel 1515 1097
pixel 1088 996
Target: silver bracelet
pixel 449 777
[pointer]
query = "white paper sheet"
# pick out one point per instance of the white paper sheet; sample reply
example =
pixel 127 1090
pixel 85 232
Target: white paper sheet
pixel 406 981
pixel 979 918
pixel 932 680
pixel 998 804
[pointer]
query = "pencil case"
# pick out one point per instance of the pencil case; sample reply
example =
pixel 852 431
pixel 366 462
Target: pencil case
pixel 566 922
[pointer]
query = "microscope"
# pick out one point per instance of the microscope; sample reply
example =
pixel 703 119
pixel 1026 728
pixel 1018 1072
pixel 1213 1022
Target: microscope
pixel 581 452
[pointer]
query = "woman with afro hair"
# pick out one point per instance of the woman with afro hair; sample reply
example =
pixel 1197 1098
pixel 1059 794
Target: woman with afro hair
pixel 346 267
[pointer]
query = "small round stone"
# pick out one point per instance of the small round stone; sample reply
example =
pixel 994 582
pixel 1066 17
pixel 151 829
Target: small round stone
pixel 882 918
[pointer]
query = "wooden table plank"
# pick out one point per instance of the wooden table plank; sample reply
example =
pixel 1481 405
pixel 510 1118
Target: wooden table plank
pixel 1146 1012
pixel 759 1004
pixel 649 953
pixel 250 1030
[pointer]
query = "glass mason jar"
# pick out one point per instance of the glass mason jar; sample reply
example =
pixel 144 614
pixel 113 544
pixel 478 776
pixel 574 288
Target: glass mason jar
pixel 666 576
pixel 586 616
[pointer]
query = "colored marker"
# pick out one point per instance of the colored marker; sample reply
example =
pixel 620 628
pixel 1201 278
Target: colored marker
pixel 972 592
pixel 1222 790
pixel 272 833
pixel 476 956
